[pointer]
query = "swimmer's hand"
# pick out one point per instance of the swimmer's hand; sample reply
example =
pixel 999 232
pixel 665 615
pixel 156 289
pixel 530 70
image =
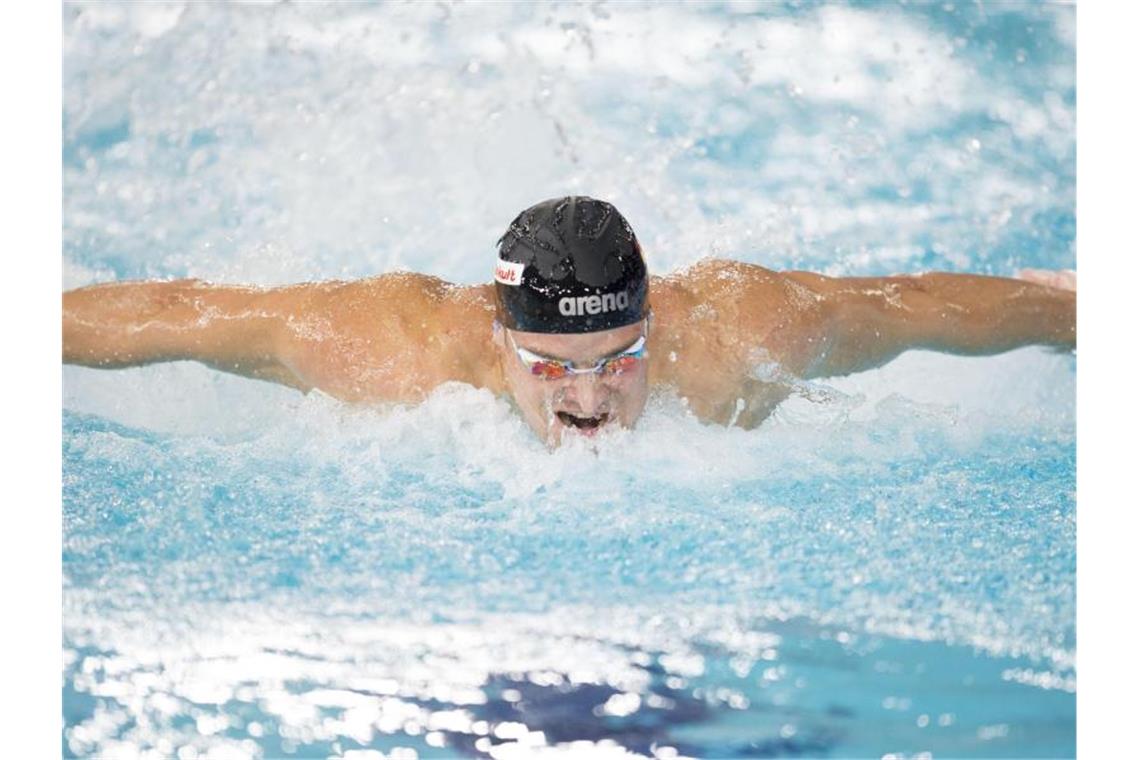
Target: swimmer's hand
pixel 1064 279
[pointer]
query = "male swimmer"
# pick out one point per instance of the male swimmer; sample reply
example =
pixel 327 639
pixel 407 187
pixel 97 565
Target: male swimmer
pixel 572 329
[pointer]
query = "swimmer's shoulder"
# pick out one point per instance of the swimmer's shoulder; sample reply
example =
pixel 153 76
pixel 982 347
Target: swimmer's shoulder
pixel 407 297
pixel 710 316
pixel 712 278
pixel 421 309
pixel 739 310
pixel 736 293
pixel 421 330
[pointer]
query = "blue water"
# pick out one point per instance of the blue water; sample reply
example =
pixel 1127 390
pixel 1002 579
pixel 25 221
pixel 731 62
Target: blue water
pixel 885 567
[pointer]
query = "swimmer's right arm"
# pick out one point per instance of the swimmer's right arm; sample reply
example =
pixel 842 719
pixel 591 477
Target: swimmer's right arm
pixel 392 337
pixel 126 324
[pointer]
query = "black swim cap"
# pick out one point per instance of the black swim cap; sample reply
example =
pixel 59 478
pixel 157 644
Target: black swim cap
pixel 570 265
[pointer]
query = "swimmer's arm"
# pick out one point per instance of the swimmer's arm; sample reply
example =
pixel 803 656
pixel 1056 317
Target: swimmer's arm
pixel 233 329
pixel 864 322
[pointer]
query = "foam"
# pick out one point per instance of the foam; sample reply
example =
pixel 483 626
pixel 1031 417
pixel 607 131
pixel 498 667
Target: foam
pixel 425 472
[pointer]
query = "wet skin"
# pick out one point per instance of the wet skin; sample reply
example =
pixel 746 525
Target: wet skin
pixel 730 338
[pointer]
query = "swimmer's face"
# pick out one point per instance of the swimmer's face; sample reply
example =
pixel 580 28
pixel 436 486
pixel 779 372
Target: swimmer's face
pixel 578 404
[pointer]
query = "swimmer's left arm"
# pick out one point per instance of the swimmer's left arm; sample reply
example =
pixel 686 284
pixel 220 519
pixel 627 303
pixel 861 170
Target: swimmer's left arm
pixel 864 322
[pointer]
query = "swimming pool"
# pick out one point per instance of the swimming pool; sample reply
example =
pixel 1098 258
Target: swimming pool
pixel 886 567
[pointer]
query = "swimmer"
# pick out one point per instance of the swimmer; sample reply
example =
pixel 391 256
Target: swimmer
pixel 572 329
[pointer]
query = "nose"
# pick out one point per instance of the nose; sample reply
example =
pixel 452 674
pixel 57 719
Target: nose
pixel 590 394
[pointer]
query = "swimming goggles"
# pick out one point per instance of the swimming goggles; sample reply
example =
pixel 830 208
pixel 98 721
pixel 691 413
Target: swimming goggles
pixel 556 369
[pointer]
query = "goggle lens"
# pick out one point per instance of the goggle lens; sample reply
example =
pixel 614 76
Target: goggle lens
pixel 620 364
pixel 549 370
pixel 553 369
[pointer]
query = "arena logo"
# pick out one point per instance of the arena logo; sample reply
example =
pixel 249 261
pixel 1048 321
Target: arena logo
pixel 580 306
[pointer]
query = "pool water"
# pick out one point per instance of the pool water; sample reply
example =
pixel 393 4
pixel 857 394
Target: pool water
pixel 884 568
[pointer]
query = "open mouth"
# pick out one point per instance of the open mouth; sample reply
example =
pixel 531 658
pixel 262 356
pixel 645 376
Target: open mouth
pixel 583 423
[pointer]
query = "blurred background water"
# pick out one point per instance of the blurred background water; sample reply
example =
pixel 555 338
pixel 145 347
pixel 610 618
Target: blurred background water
pixel 886 567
